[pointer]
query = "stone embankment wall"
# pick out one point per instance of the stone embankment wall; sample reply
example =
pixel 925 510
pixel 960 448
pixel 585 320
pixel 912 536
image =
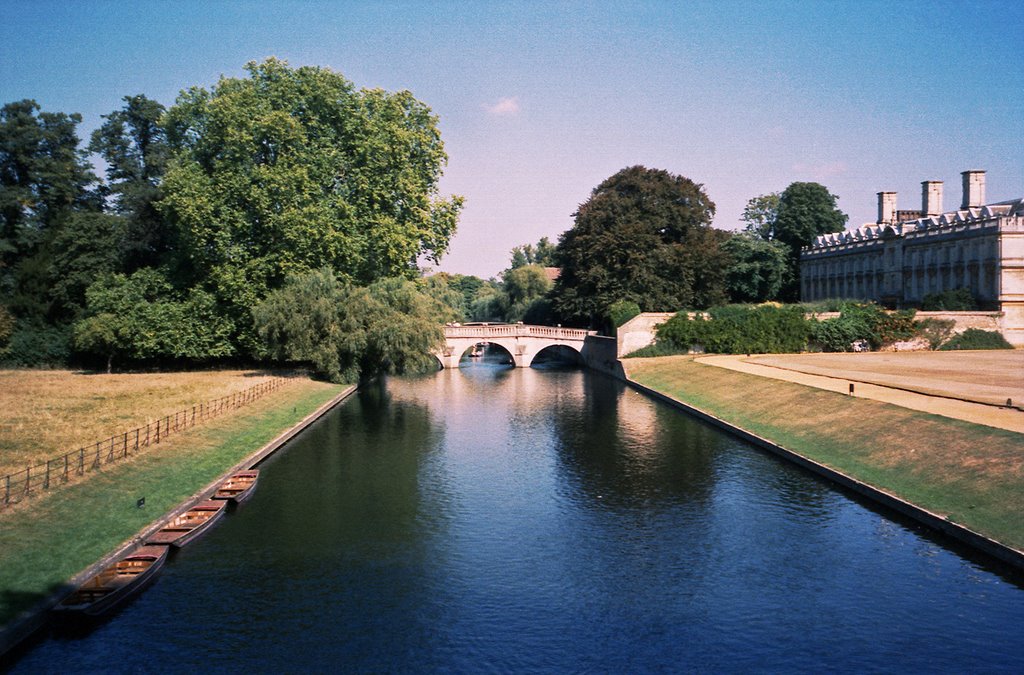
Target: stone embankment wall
pixel 600 354
pixel 981 320
pixel 638 332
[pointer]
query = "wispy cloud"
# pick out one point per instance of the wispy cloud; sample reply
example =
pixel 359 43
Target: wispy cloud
pixel 509 105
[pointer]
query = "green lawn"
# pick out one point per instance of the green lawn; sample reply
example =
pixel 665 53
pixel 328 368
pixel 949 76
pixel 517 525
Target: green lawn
pixel 971 474
pixel 50 538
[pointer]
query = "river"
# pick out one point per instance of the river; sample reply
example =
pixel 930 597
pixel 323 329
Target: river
pixel 492 519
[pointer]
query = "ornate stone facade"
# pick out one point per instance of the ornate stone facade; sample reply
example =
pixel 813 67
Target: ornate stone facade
pixel 898 262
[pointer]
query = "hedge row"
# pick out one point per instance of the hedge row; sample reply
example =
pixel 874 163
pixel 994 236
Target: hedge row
pixel 774 329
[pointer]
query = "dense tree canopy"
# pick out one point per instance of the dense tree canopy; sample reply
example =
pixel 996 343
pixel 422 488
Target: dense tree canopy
pixel 134 147
pixel 350 333
pixel 643 236
pixel 542 254
pixel 805 211
pixel 525 287
pixel 291 170
pixel 44 178
pixel 43 173
pixel 207 207
pixel 758 268
pixel 142 317
pixel 759 216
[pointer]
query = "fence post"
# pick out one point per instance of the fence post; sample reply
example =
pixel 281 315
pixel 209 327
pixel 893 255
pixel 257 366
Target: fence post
pixel 110 455
pixel 46 476
pixel 81 461
pixel 125 451
pixel 136 439
pixel 96 463
pixel 158 431
pixel 7 490
pixel 28 477
pixel 193 415
pixel 66 467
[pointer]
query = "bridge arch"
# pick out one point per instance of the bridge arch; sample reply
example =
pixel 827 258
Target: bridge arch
pixel 557 353
pixel 522 341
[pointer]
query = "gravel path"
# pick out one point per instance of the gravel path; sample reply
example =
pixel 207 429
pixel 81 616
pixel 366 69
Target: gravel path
pixel 962 385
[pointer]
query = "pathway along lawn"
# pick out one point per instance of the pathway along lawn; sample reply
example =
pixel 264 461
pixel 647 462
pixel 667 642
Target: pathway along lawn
pixel 972 474
pixel 50 538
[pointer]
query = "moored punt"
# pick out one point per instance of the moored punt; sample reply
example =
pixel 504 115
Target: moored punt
pixel 239 487
pixel 190 524
pixel 115 583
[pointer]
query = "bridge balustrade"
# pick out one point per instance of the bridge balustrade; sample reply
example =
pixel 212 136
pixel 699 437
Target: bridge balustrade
pixel 517 330
pixel 522 341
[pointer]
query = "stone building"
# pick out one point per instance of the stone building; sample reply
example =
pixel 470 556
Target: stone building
pixel 907 255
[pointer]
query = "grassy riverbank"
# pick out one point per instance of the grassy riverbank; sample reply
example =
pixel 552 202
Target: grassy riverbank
pixel 972 474
pixel 45 413
pixel 49 538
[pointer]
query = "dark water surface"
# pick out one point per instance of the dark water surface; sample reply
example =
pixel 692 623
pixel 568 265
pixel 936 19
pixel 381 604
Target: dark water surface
pixel 549 521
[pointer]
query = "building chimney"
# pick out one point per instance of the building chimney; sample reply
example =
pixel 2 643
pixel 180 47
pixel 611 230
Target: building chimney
pixel 931 198
pixel 974 189
pixel 886 207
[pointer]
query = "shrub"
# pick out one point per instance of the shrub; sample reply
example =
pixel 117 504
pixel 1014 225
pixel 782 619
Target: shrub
pixel 957 300
pixel 739 329
pixel 863 321
pixel 890 327
pixel 974 338
pixel 622 311
pixel 34 344
pixel 936 331
pixel 657 349
pixel 824 305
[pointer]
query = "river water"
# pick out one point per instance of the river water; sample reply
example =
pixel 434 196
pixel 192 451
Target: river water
pixel 492 519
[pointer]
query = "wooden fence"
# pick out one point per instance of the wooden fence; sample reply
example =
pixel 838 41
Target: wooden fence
pixel 58 471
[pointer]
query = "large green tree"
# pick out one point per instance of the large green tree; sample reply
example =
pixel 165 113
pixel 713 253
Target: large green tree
pixel 759 215
pixel 85 248
pixel 758 268
pixel 645 236
pixel 542 254
pixel 142 317
pixel 133 144
pixel 526 288
pixel 43 173
pixel 292 169
pixel 351 333
pixel 47 194
pixel 805 210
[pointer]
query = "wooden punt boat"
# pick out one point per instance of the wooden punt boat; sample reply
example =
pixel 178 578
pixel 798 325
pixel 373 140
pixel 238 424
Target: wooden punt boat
pixel 190 524
pixel 114 584
pixel 239 487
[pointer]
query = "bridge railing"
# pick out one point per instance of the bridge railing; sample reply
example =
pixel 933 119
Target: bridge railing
pixel 516 330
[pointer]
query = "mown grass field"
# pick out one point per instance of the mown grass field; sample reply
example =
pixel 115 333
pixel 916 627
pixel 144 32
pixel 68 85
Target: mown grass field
pixel 50 537
pixel 972 474
pixel 46 413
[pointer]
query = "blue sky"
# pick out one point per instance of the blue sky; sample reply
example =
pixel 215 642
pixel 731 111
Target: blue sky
pixel 541 101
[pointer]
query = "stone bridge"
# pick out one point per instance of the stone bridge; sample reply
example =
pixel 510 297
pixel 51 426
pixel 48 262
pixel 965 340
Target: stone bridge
pixel 522 342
